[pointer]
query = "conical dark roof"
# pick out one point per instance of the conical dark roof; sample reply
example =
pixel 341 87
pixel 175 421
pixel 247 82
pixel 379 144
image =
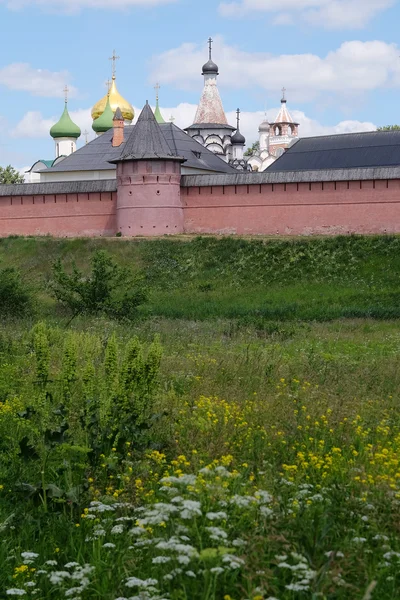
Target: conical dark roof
pixel 118 115
pixel 147 141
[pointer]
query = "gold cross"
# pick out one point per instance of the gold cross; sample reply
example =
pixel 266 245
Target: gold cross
pixel 210 43
pixel 66 91
pixel 157 87
pixel 114 59
pixel 171 119
pixel 108 84
pixel 284 92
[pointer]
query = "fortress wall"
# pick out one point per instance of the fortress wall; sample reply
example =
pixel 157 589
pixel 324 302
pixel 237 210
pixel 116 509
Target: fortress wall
pixel 60 215
pixel 312 208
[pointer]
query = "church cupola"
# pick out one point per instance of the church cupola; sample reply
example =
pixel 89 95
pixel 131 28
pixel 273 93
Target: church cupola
pixel 106 120
pixel 238 140
pixel 65 132
pixel 157 112
pixel 283 130
pixel 210 127
pixel 115 98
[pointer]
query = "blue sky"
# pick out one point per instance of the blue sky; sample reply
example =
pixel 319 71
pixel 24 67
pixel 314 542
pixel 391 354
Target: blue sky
pixel 338 60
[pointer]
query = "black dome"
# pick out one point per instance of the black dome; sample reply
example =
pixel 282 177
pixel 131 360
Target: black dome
pixel 238 138
pixel 210 68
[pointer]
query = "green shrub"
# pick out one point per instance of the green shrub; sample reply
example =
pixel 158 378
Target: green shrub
pixel 108 289
pixel 15 296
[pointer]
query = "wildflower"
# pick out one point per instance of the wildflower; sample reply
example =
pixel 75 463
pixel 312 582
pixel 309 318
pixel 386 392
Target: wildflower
pixel 15 592
pixel 213 516
pixel 109 545
pixel 29 557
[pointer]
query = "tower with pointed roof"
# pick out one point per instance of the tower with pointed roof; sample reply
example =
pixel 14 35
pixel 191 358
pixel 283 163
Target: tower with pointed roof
pixel 148 179
pixel 283 130
pixel 65 132
pixel 210 126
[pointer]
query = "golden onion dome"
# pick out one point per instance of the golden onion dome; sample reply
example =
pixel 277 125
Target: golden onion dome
pixel 116 100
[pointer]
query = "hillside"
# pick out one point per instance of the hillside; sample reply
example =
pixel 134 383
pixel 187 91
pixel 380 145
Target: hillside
pixel 239 440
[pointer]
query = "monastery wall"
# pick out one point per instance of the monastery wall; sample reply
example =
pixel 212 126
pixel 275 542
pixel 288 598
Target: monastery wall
pixel 59 215
pixel 311 208
pixel 318 203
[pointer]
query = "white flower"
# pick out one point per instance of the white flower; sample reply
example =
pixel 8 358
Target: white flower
pixel 243 501
pixel 263 497
pixel 71 565
pixel 15 592
pixel 117 529
pixel 365 518
pixel 140 583
pixel 297 587
pixel 51 563
pixel 137 531
pixel 214 516
pixel 109 545
pixel 359 540
pixel 217 534
pixel 58 577
pixel 161 560
pixel 73 591
pixel 232 561
pixel 217 570
pixel 190 574
pixel 29 557
pixel 266 512
pixel 30 584
pixel 99 507
pixel 191 508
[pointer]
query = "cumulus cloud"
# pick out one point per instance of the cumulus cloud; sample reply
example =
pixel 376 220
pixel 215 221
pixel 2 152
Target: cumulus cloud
pixel 74 6
pixel 354 68
pixel 331 14
pixel 39 82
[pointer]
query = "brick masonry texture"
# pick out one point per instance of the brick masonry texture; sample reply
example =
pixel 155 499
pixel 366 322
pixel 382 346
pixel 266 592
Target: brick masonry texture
pixel 248 207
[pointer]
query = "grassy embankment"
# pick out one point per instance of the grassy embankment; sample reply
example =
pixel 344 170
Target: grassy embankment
pixel 280 375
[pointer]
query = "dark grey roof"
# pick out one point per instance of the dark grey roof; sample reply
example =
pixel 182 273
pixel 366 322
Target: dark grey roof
pixel 59 187
pixel 238 138
pixel 146 141
pixel 96 155
pixel 210 68
pixel 268 176
pixel 346 151
pixel 118 115
pixel 210 126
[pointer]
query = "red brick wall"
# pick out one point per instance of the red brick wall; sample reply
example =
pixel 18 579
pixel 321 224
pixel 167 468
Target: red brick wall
pixel 294 209
pixel 63 215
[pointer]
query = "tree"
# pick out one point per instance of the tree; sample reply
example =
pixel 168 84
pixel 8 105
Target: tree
pixel 389 128
pixel 9 175
pixel 107 289
pixel 252 149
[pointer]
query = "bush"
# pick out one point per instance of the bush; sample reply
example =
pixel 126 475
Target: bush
pixel 15 296
pixel 108 289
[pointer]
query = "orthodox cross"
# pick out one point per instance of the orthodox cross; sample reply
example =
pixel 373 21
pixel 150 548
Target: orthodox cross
pixel 157 87
pixel 86 133
pixel 283 93
pixel 114 59
pixel 66 91
pixel 210 43
pixel 238 118
pixel 108 84
pixel 171 119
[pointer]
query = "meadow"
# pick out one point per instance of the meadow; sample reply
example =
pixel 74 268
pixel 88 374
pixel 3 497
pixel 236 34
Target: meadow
pixel 238 440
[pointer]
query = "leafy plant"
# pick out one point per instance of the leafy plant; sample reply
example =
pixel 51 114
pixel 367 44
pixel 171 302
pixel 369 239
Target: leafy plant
pixel 15 295
pixel 108 289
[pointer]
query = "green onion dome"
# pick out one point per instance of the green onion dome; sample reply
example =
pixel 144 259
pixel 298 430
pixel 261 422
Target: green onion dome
pixel 105 121
pixel 65 128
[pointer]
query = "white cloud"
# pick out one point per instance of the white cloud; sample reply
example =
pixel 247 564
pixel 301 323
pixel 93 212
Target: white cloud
pixel 34 125
pixel 354 68
pixel 39 82
pixel 331 14
pixel 74 6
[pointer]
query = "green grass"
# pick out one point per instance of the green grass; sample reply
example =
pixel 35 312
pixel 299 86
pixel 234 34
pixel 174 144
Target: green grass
pixel 280 374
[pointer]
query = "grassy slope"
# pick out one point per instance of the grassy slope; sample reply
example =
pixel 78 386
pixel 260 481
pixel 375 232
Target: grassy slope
pixel 313 279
